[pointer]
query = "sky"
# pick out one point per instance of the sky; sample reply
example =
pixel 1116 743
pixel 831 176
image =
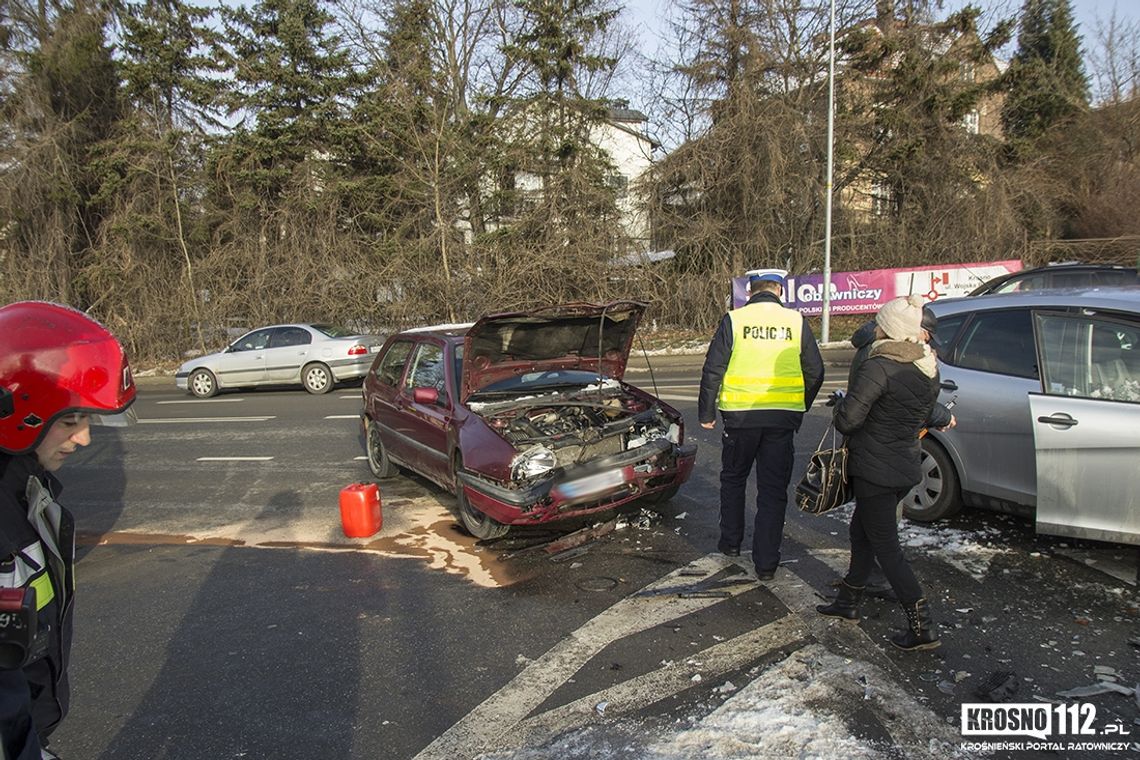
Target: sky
pixel 649 13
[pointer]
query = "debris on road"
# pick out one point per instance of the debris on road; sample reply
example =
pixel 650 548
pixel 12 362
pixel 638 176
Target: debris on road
pixel 999 686
pixel 1102 687
pixel 577 551
pixel 644 520
pixel 579 537
pixel 711 586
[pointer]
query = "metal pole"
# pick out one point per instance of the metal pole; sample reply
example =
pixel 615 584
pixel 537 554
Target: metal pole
pixel 830 167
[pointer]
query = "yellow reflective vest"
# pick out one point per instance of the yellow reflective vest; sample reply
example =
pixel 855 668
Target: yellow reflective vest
pixel 764 371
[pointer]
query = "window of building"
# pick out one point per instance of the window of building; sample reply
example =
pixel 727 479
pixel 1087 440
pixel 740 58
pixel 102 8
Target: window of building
pixel 972 122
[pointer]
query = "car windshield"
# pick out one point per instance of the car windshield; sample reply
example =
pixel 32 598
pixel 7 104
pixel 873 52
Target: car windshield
pixel 542 381
pixel 333 331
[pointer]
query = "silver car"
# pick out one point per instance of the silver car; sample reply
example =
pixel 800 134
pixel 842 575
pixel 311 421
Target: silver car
pixel 316 356
pixel 1047 389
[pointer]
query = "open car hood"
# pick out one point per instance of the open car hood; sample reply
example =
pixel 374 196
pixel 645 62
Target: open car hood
pixel 568 336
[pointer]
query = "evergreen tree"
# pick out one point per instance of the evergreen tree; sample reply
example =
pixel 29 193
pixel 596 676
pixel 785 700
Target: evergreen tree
pixel 564 206
pixel 170 65
pixel 908 87
pixel 290 74
pixel 151 169
pixel 1046 82
pixel 745 191
pixel 61 103
pixel 274 197
pixel 410 150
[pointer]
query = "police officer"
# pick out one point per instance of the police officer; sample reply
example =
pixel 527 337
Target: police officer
pixel 60 372
pixel 762 371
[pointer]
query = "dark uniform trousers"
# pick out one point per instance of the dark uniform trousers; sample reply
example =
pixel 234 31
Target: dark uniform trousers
pixel 772 452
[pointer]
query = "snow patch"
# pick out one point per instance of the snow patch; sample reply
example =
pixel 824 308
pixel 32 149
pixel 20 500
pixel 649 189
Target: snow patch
pixel 793 709
pixel 970 551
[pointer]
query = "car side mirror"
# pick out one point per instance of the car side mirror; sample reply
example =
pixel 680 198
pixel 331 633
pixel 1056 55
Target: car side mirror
pixel 427 396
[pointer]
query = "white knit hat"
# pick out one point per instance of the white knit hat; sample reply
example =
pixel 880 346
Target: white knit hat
pixel 901 318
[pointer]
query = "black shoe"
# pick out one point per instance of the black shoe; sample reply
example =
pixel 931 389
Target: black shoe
pixel 765 575
pixel 733 552
pixel 846 604
pixel 919 634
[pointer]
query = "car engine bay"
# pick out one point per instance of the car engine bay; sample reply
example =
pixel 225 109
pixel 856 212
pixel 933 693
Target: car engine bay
pixel 578 427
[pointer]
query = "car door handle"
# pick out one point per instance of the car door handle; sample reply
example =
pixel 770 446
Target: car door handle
pixel 949 385
pixel 1060 418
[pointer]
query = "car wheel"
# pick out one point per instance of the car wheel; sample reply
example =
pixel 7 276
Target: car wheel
pixel 202 383
pixel 378 461
pixel 937 495
pixel 317 378
pixel 475 522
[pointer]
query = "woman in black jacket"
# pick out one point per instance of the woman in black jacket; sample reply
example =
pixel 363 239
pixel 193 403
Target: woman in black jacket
pixel 888 402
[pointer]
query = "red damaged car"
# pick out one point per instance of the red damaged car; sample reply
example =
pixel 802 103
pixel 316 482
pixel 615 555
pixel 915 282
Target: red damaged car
pixel 524 416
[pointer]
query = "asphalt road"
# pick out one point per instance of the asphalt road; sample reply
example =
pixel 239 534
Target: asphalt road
pixel 222 613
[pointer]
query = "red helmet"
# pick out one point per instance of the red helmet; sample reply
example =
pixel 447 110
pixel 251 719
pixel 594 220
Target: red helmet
pixel 54 361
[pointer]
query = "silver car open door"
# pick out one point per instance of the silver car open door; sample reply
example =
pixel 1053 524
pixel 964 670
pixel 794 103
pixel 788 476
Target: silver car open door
pixel 1085 427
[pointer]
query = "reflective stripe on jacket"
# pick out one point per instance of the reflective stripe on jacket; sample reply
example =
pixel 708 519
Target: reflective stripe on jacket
pixel 764 371
pixel 28 569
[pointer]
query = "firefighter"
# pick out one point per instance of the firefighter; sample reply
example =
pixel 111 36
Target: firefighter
pixel 60 372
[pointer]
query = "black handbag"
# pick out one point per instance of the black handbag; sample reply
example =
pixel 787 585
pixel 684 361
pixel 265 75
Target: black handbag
pixel 824 485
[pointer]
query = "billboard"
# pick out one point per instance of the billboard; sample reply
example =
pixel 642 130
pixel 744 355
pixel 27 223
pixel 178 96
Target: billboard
pixel 865 292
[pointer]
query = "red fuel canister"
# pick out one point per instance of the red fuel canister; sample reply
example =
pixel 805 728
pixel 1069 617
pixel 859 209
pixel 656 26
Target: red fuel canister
pixel 360 510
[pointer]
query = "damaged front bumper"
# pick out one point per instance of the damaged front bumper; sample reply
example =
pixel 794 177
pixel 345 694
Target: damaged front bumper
pixel 604 483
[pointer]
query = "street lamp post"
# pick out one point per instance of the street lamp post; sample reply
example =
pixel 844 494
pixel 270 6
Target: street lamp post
pixel 830 167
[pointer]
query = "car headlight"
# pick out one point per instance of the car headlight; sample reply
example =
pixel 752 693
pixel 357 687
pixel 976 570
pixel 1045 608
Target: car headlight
pixel 534 461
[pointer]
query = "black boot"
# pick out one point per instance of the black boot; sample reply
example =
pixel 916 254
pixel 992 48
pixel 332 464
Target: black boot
pixel 846 604
pixel 920 631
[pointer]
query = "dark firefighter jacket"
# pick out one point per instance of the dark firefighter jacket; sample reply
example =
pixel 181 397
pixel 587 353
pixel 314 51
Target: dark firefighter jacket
pixel 37 549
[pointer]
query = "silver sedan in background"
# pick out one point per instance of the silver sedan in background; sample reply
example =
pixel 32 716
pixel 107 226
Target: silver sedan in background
pixel 316 356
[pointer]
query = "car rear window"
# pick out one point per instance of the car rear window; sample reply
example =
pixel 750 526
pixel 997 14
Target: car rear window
pixel 1116 277
pixel 334 332
pixel 1001 342
pixel 1022 284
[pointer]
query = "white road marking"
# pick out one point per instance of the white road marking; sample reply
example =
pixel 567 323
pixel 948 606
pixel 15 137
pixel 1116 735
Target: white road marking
pixel 342 416
pixel 359 458
pixel 203 401
pixel 233 459
pixel 501 721
pixel 484 727
pixel 187 420
pixel 357 397
pixel 642 691
pixel 671 397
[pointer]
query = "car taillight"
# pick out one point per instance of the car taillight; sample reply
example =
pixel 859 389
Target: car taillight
pixel 357 350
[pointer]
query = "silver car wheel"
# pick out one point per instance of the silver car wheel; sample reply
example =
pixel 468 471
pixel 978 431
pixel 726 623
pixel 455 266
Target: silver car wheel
pixel 202 383
pixel 936 495
pixel 317 378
